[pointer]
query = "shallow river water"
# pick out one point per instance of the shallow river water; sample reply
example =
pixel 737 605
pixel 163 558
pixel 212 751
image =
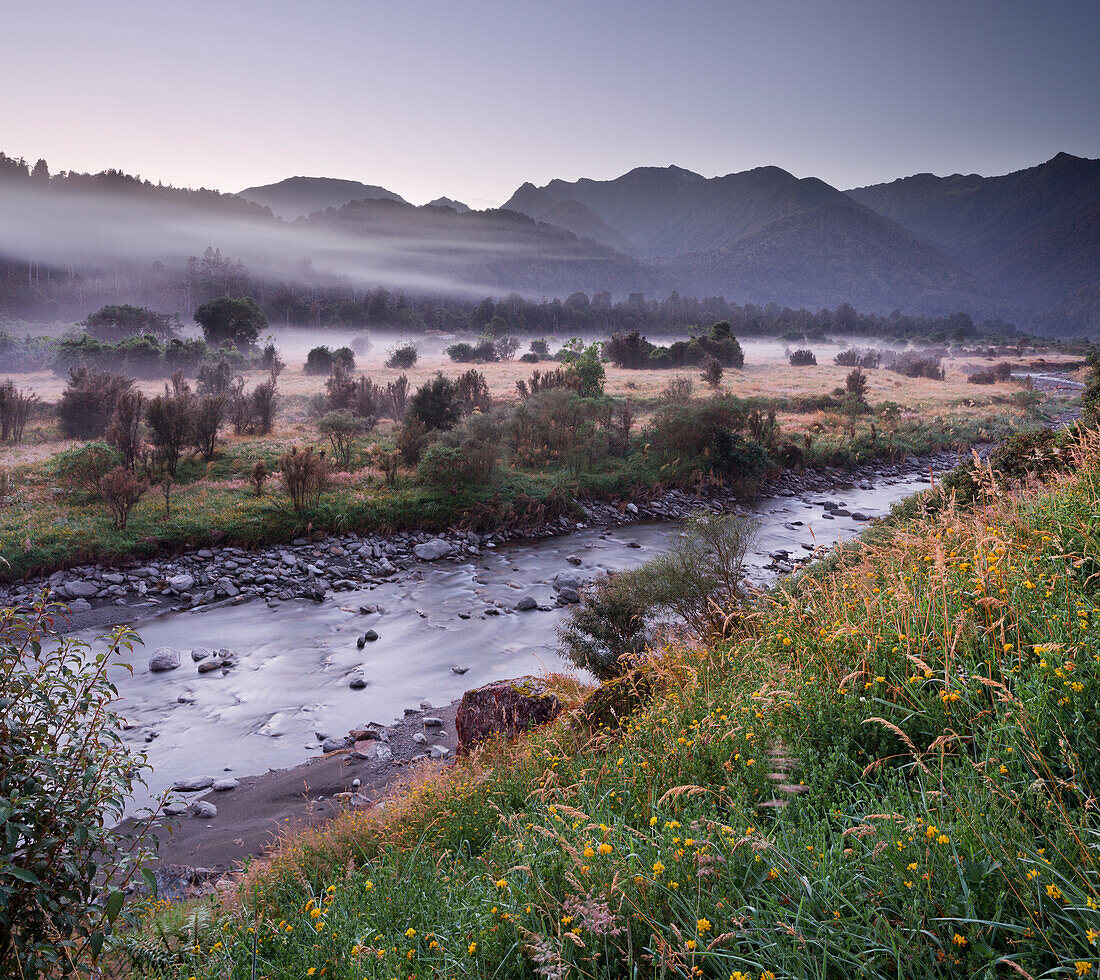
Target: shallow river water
pixel 295 659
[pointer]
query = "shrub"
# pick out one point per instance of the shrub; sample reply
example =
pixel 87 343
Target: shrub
pixel 853 357
pixel 712 371
pixel 124 430
pixel 403 356
pixel 441 467
pixel 545 380
pixel 588 365
pixel 918 364
pixel 481 352
pixel 185 354
pixel 387 461
pixel 472 392
pixel 15 409
pixel 678 391
pixel 305 476
pixel 702 438
pixel 117 322
pixel 342 428
pixel 856 386
pixel 700 579
pixel 122 490
pixel 217 379
pixel 803 358
pixel 208 414
pixel 606 632
pixel 82 468
pixel 258 477
pixel 397 398
pixel 168 417
pixel 506 348
pixel 253 412
pixel 88 401
pixel 436 403
pixel 360 396
pixel 321 360
pixel 66 777
pixel 411 439
pixel 540 348
pixel 998 372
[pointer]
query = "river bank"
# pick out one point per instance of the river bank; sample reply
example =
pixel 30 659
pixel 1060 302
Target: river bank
pixel 102 595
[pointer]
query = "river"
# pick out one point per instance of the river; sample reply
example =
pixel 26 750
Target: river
pixel 294 659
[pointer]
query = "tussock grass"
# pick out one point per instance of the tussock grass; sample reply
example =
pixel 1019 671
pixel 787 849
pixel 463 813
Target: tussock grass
pixel 938 689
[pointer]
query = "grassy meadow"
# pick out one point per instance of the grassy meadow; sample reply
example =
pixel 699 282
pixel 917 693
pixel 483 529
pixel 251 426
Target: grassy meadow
pixel 934 688
pixel 43 527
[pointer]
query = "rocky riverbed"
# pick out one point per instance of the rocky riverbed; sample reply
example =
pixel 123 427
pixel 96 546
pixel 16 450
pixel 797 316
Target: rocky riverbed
pixel 318 567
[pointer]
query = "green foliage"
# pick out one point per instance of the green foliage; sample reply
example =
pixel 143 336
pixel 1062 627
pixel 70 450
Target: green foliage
pixel 321 360
pixel 436 403
pixel 88 401
pixel 607 632
pixel 231 321
pixel 403 356
pixel 64 782
pixel 82 468
pixel 115 322
pixel 342 429
pixel 587 364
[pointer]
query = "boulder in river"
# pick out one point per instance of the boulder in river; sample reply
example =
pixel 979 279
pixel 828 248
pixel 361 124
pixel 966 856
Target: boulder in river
pixel 432 550
pixel 192 784
pixel 504 707
pixel 164 658
pixel 527 603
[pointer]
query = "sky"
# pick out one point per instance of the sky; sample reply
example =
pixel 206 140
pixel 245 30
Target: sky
pixel 470 99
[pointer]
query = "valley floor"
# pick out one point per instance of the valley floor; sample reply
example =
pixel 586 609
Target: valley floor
pixel 930 693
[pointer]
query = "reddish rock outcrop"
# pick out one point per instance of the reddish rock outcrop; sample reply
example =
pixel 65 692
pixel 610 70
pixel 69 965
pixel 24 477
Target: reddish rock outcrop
pixel 504 707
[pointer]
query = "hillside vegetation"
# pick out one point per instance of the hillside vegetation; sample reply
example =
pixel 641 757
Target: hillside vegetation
pixel 933 688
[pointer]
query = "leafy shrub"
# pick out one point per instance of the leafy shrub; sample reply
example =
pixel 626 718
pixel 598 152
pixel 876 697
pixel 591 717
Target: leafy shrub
pixel 703 438
pixel 117 322
pixel 66 776
pixel 305 476
pixel 218 378
pixel 88 401
pixel 855 385
pixel 587 363
pixel 360 396
pixel 854 357
pixel 436 403
pixel 712 371
pixel 998 372
pixel 168 417
pixel 631 350
pixel 545 380
pixel 918 364
pixel 235 321
pixel 802 358
pixel 342 429
pixel 606 632
pixel 479 353
pixel 258 477
pixel 321 360
pixel 472 392
pixel 397 398
pixel 411 439
pixel 678 391
pixel 403 356
pixel 208 413
pixel 506 348
pixel 124 430
pixel 122 490
pixel 253 412
pixel 15 409
pixel 83 467
pixel 185 354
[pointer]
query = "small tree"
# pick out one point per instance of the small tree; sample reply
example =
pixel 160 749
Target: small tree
pixel 712 371
pixel 169 419
pixel 305 476
pixel 342 429
pixel 66 777
pixel 88 401
pixel 122 490
pixel 606 633
pixel 124 429
pixel 856 386
pixel 436 403
pixel 238 321
pixel 403 356
pixel 207 418
pixel 258 477
pixel 83 468
pixel 15 409
pixel 115 323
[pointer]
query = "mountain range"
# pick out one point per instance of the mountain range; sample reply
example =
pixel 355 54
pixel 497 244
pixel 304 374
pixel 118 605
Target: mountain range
pixel 1023 247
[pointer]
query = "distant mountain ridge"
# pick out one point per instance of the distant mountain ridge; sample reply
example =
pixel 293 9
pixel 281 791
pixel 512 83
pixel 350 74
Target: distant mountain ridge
pixel 1034 235
pixel 760 234
pixel 297 197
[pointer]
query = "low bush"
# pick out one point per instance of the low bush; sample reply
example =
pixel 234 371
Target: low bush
pixel 342 429
pixel 88 401
pixel 712 371
pixel 704 438
pixel 481 353
pixel 321 360
pixel 82 468
pixel 919 364
pixel 66 777
pixel 305 476
pixel 15 410
pixel 122 490
pixel 545 380
pixel 607 632
pixel 678 391
pixel 998 372
pixel 403 356
pixel 854 357
pixel 802 358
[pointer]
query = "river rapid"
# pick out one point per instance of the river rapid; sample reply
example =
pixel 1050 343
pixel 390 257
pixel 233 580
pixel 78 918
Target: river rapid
pixel 295 659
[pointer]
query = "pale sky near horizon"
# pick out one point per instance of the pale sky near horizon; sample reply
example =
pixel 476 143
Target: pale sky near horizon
pixel 470 100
